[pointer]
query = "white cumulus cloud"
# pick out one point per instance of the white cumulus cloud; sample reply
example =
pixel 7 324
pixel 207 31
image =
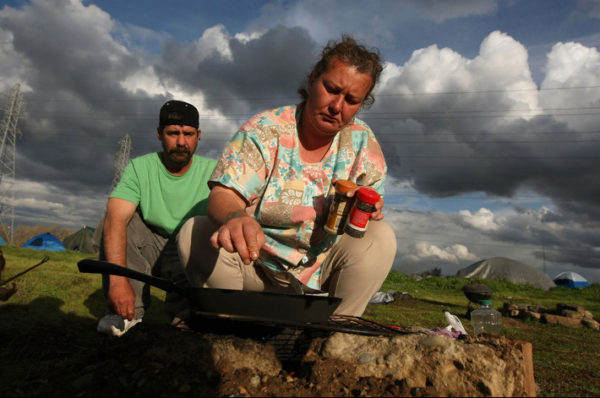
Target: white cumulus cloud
pixel 483 219
pixel 453 253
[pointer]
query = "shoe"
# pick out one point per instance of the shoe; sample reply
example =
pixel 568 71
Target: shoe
pixel 180 323
pixel 115 325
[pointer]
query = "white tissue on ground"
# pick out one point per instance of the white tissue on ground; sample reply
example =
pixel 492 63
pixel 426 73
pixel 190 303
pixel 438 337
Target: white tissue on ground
pixel 454 323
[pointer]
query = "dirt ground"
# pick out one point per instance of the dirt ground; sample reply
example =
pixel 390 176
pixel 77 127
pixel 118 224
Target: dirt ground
pixel 328 379
pixel 37 358
pixel 157 360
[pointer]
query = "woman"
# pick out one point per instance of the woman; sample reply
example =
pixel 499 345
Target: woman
pixel 269 191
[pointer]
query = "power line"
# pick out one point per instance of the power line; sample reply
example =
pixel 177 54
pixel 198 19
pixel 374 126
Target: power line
pixel 495 110
pixel 516 90
pixel 367 118
pixel 379 132
pixel 495 142
pixel 446 113
pixel 385 140
pixel 295 97
pixel 412 155
pixel 479 158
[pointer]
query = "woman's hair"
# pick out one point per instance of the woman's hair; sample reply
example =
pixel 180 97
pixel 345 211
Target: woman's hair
pixel 351 53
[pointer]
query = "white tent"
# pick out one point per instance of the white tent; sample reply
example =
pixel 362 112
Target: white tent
pixel 570 279
pixel 514 271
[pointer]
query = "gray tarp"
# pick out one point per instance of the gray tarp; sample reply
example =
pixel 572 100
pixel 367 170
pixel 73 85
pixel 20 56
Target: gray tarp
pixel 514 271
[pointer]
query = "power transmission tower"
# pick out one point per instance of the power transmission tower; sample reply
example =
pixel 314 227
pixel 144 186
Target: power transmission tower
pixel 8 146
pixel 121 159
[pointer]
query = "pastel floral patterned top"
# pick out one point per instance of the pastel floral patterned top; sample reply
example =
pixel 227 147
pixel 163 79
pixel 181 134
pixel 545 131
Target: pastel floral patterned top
pixel 289 197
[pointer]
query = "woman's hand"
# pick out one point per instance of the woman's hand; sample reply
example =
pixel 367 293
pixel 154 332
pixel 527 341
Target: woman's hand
pixel 241 234
pixel 377 215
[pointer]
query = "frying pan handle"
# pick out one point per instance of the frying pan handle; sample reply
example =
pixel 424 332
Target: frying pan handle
pixel 104 267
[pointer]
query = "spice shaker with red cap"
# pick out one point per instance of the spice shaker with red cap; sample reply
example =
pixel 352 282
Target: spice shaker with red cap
pixel 364 206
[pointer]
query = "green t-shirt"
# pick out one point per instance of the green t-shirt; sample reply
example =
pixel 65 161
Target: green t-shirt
pixel 165 200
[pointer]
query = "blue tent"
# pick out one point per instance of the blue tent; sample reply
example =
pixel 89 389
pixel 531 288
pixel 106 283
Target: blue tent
pixel 570 279
pixel 2 241
pixel 45 242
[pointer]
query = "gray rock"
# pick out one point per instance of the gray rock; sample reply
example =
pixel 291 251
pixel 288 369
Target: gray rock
pixel 436 340
pixel 590 323
pixel 572 307
pixel 255 381
pixel 365 358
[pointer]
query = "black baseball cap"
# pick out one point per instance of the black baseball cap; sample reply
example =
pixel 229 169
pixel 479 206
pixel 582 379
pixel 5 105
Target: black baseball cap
pixel 179 113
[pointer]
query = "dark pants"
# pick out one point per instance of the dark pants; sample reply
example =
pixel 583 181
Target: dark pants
pixel 151 254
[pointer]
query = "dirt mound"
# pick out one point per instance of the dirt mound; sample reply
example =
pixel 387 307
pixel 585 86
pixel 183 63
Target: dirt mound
pixel 158 360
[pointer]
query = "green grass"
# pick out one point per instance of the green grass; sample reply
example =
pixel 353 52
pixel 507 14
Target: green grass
pixel 449 290
pixel 566 361
pixel 76 293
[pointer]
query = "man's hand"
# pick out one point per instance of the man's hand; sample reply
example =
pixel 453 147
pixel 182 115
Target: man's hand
pixel 121 297
pixel 241 234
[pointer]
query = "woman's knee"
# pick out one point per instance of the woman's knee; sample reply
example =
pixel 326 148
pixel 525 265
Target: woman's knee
pixel 384 236
pixel 379 241
pixel 193 243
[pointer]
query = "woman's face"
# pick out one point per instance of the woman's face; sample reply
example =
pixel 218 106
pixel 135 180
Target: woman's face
pixel 334 98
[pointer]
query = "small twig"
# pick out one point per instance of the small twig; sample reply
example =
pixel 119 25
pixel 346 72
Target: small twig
pixel 24 272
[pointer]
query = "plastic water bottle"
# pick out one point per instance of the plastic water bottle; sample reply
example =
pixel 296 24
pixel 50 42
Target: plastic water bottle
pixel 485 319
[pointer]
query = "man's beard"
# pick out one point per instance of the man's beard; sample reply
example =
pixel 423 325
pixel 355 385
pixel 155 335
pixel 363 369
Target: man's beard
pixel 178 160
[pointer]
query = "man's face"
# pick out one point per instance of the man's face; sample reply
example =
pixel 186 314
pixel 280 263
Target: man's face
pixel 179 143
pixel 335 97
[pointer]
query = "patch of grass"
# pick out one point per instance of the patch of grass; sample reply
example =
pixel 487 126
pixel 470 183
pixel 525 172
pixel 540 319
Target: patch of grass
pixel 449 290
pixel 566 360
pixel 60 282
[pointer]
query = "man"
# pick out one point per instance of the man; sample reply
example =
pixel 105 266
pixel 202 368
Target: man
pixel 269 191
pixel 157 193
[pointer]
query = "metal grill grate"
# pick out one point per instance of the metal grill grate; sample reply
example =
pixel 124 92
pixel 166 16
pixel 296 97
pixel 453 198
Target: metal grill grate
pixel 290 340
pixel 291 344
pixel 357 325
pixel 336 323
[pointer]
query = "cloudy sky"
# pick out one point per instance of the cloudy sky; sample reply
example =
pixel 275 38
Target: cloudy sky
pixel 488 111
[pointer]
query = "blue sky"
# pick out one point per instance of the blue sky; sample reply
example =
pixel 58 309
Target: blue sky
pixel 487 111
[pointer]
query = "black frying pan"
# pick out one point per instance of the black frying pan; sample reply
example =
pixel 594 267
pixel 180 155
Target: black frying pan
pixel 264 306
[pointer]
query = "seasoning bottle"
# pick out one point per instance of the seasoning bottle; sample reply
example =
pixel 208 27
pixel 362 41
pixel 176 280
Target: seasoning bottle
pixel 340 207
pixel 361 212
